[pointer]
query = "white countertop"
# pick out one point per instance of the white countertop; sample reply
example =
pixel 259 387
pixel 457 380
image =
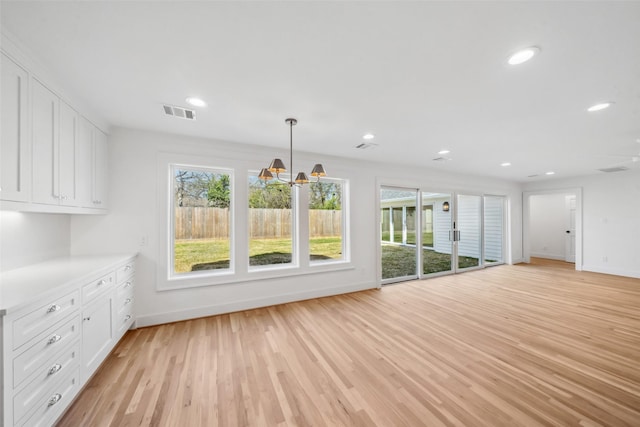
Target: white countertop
pixel 25 285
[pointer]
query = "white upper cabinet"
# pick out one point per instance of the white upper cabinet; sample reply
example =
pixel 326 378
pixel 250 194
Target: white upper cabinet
pixel 100 174
pixel 15 161
pixel 68 156
pixel 51 158
pixel 92 166
pixel 55 141
pixel 46 116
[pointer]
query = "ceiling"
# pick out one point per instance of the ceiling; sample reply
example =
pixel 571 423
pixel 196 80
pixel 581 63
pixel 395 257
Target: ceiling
pixel 420 76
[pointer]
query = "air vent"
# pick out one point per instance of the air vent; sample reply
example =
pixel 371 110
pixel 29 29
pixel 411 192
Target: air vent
pixel 441 159
pixel 532 176
pixel 180 112
pixel 366 145
pixel 614 169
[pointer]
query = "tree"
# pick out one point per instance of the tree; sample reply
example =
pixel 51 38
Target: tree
pixel 325 195
pixel 269 195
pixel 200 188
pixel 218 193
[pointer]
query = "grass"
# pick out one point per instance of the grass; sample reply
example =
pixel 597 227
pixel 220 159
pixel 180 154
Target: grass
pixel 212 254
pixel 427 237
pixel 399 261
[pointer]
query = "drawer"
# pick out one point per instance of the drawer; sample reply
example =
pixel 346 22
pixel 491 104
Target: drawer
pixel 45 347
pixel 124 318
pixel 36 321
pixel 125 271
pixel 54 401
pixel 125 288
pixel 59 366
pixel 98 286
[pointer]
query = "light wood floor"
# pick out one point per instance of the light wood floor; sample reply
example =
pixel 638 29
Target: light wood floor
pixel 522 345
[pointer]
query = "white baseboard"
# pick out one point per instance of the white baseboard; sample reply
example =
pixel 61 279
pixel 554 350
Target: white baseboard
pixel 547 256
pixel 212 310
pixel 614 271
pixel 517 261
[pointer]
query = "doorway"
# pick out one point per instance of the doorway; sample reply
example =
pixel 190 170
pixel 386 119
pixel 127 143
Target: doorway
pixel 552 225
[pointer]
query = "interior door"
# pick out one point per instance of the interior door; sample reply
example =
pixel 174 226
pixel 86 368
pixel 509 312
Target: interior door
pixel 570 239
pixel 467 232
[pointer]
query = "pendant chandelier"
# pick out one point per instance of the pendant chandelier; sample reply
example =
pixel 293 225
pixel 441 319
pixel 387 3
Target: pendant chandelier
pixel 277 166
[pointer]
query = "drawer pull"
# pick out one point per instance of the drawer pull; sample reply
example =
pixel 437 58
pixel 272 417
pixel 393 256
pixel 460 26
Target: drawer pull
pixel 55 368
pixel 101 282
pixel 127 285
pixel 86 319
pixel 127 317
pixel 54 399
pixel 53 308
pixel 127 301
pixel 54 339
pixel 127 267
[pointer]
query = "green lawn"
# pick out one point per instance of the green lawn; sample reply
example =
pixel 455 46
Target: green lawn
pixel 427 237
pixel 211 254
pixel 399 261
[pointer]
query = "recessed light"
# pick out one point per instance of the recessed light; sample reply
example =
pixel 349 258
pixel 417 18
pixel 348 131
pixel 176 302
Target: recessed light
pixel 550 173
pixel 368 136
pixel 523 55
pixel 505 164
pixel 196 102
pixel 444 152
pixel 600 106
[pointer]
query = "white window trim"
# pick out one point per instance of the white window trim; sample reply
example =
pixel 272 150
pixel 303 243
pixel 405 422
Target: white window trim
pixel 239 232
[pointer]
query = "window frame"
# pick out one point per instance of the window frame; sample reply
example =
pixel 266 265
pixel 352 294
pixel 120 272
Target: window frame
pixel 344 207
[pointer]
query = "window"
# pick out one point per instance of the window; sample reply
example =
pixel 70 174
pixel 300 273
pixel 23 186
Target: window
pixel 271 223
pixel 201 220
pixel 326 220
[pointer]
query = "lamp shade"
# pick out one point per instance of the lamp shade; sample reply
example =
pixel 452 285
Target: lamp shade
pixel 318 170
pixel 277 166
pixel 301 178
pixel 265 174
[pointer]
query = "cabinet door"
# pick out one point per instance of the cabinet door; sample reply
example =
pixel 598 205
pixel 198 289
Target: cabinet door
pixel 84 183
pixel 45 145
pixel 14 146
pixel 100 169
pixel 68 152
pixel 97 333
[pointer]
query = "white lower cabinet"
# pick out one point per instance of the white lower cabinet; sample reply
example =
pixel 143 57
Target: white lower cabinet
pixel 97 333
pixel 55 338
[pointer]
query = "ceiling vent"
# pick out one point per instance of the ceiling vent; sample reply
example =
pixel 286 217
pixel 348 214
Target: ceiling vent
pixel 532 176
pixel 180 112
pixel 366 145
pixel 614 169
pixel 441 159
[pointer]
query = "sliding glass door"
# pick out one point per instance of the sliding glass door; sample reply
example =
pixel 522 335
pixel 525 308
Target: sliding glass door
pixel 453 232
pixel 437 245
pixel 468 231
pixel 399 234
pixel 494 207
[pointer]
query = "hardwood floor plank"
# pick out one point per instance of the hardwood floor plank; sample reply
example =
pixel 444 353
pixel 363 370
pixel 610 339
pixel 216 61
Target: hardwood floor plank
pixel 526 345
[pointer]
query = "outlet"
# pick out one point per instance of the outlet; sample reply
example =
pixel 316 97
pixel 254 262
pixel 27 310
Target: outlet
pixel 544 249
pixel 144 240
pixel 605 259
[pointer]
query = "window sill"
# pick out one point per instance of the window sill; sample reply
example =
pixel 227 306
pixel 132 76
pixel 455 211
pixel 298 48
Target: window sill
pixel 253 276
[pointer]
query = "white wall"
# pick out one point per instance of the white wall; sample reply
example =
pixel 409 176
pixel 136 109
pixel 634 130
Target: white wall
pixel 547 226
pixel 134 213
pixel 611 220
pixel 28 238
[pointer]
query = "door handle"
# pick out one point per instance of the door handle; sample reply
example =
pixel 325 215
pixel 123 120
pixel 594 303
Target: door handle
pixel 568 231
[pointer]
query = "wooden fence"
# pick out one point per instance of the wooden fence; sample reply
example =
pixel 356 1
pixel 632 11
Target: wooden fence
pixel 213 223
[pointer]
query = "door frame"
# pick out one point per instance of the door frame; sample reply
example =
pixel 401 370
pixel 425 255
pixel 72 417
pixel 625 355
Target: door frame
pixel 526 221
